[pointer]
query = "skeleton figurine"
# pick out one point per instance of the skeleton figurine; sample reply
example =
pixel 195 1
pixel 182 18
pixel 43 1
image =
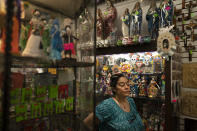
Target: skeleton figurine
pixel 166 13
pixel 152 17
pixel 136 19
pixel 153 88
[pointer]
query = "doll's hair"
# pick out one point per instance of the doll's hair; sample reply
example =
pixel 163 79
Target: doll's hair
pixel 114 81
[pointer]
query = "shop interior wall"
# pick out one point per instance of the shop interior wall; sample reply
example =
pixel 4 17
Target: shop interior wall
pixel 192 92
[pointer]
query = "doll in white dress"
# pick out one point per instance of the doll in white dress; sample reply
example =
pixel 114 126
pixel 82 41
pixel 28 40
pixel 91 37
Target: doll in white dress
pixel 33 46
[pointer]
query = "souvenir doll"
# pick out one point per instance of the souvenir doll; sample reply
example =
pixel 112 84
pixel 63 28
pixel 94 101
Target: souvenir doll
pixel 46 39
pixel 33 46
pixel 100 24
pixel 133 59
pixel 68 40
pixel 25 28
pixel 56 41
pixel 152 17
pixel 126 23
pixel 110 15
pixel 136 19
pixel 157 64
pixel 148 63
pixel 139 66
pixel 85 26
pixel 153 88
pixel 166 13
pixel 15 30
pixel 141 88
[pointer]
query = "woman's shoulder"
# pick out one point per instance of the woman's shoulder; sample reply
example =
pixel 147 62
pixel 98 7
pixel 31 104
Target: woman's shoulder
pixel 107 101
pixel 130 99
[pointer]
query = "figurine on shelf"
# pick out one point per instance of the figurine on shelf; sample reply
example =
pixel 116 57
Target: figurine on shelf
pixel 152 17
pixel 163 83
pixel 85 26
pixel 110 15
pixel 141 87
pixel 56 41
pixel 166 13
pixel 68 40
pixel 15 28
pixel 153 88
pixel 46 39
pixel 33 46
pixel 139 66
pixel 157 64
pixel 148 63
pixel 136 19
pixel 126 18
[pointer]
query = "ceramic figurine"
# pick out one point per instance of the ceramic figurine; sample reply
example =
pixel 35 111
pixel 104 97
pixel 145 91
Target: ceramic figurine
pixel 100 24
pixel 153 88
pixel 34 42
pixel 166 13
pixel 110 15
pixel 152 17
pixel 25 32
pixel 126 23
pixel 148 63
pixel 141 87
pixel 68 43
pixel 136 19
pixel 56 41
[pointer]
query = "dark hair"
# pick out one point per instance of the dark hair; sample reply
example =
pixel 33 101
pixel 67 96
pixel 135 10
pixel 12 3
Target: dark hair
pixel 114 80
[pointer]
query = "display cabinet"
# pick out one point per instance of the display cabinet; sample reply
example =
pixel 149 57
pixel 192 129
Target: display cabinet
pixel 48 78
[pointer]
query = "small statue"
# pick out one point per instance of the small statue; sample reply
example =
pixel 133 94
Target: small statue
pixel 153 88
pixel 141 87
pixel 136 19
pixel 126 23
pixel 33 46
pixel 163 83
pixel 166 13
pixel 56 41
pixel 68 42
pixel 152 17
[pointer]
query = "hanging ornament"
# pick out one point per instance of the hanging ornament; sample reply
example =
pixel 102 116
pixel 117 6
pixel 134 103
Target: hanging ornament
pixel 166 42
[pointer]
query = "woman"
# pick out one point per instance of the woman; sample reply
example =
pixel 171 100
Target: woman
pixel 119 112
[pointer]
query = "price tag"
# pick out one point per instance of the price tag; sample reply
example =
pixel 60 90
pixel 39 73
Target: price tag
pixel 52 71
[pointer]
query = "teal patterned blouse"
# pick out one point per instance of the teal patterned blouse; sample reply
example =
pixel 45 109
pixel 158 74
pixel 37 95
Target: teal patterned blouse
pixel 113 118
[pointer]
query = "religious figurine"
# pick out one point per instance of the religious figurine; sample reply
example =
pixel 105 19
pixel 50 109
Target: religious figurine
pixel 166 13
pixel 56 41
pixel 148 63
pixel 152 17
pixel 33 46
pixel 163 83
pixel 136 19
pixel 110 15
pixel 126 23
pixel 153 88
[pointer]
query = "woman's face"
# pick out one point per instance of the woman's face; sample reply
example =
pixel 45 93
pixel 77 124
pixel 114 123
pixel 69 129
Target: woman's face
pixel 122 88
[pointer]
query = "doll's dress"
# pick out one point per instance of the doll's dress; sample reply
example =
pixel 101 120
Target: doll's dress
pixel 100 27
pixel 69 44
pixel 15 37
pixel 56 45
pixel 125 25
pixel 33 43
